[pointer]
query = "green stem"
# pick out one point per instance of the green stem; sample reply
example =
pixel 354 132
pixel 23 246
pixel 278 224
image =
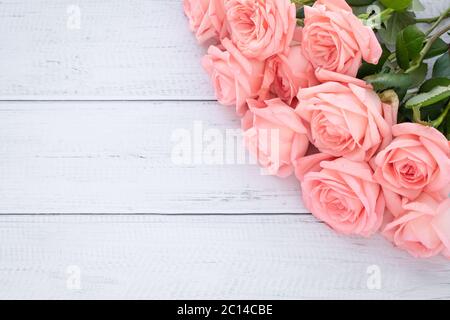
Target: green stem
pixel 417 117
pixel 436 123
pixel 430 20
pixel 380 17
pixel 302 2
pixel 438 21
pixel 392 58
pixel 427 48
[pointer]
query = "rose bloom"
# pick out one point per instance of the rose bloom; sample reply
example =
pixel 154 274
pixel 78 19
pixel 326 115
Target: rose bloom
pixel 333 38
pixel 423 229
pixel 284 75
pixel 261 28
pixel 416 161
pixel 235 77
pixel 342 193
pixel 345 117
pixel 206 19
pixel 275 135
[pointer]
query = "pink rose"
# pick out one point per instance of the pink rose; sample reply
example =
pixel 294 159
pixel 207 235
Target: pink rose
pixel 261 28
pixel 275 135
pixel 416 161
pixel 342 193
pixel 423 229
pixel 345 117
pixel 235 77
pixel 285 75
pixel 333 38
pixel 206 19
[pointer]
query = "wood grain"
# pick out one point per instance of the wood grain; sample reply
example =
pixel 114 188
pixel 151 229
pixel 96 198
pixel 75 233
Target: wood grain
pixel 64 162
pixel 258 257
pixel 138 49
pixel 115 157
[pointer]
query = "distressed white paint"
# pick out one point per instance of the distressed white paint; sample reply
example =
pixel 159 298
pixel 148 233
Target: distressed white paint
pixel 114 157
pixel 138 49
pixel 207 257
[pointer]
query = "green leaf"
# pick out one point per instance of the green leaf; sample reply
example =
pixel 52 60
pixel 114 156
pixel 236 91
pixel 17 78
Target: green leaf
pixel 418 75
pixel 408 45
pixel 300 13
pixel 392 27
pixel 397 5
pixel 438 47
pixel 441 67
pixel 368 68
pixel 430 113
pixel 398 81
pixel 428 98
pixel 359 3
pixel 434 82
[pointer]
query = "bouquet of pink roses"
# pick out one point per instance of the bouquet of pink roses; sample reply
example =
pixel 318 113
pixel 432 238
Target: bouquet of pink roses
pixel 358 119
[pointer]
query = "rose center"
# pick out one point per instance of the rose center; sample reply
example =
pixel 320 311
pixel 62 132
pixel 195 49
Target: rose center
pixel 333 201
pixel 333 137
pixel 409 171
pixel 324 47
pixel 246 20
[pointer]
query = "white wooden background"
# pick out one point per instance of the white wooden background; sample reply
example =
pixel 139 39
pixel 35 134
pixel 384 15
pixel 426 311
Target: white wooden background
pixel 87 184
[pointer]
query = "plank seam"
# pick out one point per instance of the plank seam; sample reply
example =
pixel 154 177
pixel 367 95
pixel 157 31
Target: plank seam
pixel 158 214
pixel 108 100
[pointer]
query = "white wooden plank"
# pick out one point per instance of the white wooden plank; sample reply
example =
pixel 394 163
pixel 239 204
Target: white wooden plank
pixel 432 8
pixel 138 49
pixel 115 157
pixel 257 257
pixel 135 49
